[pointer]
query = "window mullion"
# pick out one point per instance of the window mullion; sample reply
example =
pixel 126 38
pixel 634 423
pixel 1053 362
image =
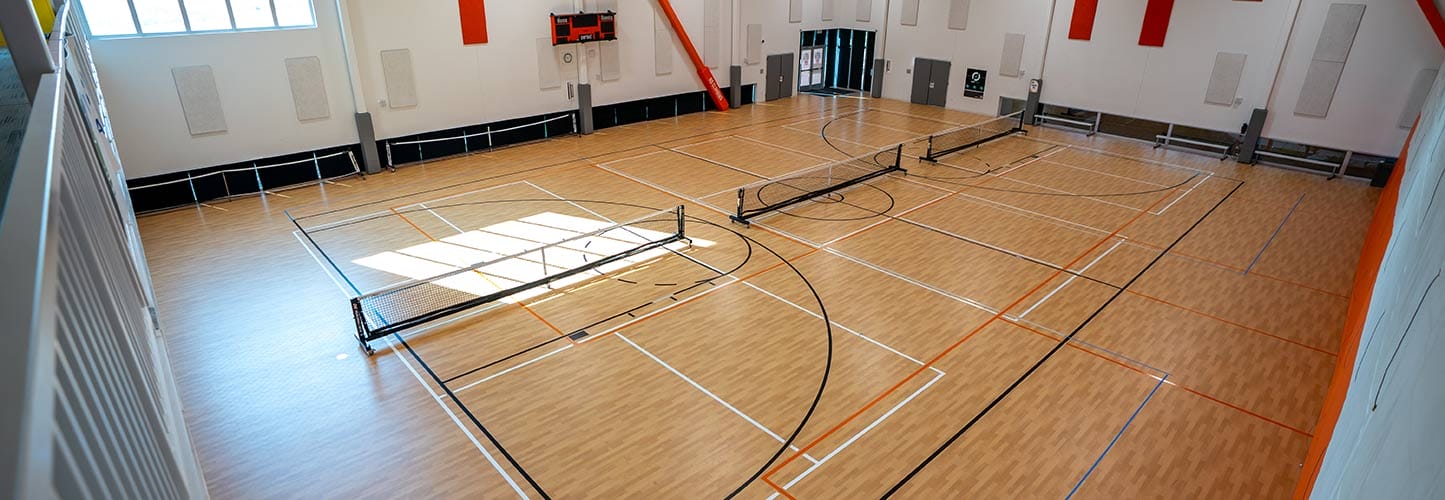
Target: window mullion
pixel 230 14
pixel 275 20
pixel 185 18
pixel 134 17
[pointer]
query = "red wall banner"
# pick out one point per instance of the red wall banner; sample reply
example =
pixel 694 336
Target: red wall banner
pixel 474 21
pixel 1156 23
pixel 1081 27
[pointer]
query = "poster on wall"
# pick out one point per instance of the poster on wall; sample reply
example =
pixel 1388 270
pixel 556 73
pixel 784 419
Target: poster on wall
pixel 974 82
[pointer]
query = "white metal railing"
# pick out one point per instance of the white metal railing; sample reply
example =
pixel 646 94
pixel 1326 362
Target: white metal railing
pixel 466 138
pixel 91 406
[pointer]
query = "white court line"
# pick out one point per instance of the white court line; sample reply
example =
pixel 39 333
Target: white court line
pixel 1096 347
pixel 697 201
pixel 387 213
pixel 510 370
pixel 634 157
pixel 884 219
pixel 471 437
pixel 456 420
pixel 1122 156
pixel 1072 278
pixel 346 292
pixel 989 246
pixel 718 163
pixel 788 149
pixel 675 304
pixel 699 143
pixel 839 325
pixel 1106 174
pixel 935 120
pixel 860 434
pixel 965 300
pixel 840 139
pixel 1181 197
pixel 714 397
pixel 1032 161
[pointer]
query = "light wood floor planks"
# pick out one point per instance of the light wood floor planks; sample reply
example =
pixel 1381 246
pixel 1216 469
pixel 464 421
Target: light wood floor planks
pixel 1006 323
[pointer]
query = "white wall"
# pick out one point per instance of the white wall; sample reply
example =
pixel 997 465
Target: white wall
pixel 456 84
pixel 463 85
pixel 980 46
pixel 1112 73
pixel 250 72
pixel 1393 45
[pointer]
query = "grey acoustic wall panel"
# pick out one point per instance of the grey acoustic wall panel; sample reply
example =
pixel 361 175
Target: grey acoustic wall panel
pixel 1332 49
pixel 1418 92
pixel 609 57
pixel 400 82
pixel 711 33
pixel 1012 62
pixel 958 14
pixel 1321 80
pixel 200 100
pixel 910 13
pixel 662 44
pixel 754 53
pixel 795 11
pixel 1338 35
pixel 308 88
pixel 865 10
pixel 828 7
pixel 549 76
pixel 1224 80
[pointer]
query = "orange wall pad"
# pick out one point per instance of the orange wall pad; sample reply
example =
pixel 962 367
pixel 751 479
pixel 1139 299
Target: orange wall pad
pixel 1376 242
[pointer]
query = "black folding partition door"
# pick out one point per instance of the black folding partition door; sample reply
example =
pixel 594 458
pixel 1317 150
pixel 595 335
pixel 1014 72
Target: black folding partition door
pixel 853 59
pixel 930 81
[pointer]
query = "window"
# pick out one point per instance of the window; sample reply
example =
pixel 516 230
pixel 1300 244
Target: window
pixel 152 17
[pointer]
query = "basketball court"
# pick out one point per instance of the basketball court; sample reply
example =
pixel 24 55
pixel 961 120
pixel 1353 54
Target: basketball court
pixel 1101 315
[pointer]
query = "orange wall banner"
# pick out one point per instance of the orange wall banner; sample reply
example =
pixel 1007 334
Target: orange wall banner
pixel 474 21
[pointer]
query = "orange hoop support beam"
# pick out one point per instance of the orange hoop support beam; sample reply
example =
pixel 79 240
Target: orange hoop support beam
pixel 708 82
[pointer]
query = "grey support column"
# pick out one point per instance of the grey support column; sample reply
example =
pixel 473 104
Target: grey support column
pixel 366 133
pixel 1031 106
pixel 880 67
pixel 735 89
pixel 1251 137
pixel 584 108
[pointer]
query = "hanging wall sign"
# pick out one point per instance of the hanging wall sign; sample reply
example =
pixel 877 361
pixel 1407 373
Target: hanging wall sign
pixel 974 82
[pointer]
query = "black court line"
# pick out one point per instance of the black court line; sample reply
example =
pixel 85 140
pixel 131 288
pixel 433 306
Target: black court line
pixel 993 404
pixel 451 395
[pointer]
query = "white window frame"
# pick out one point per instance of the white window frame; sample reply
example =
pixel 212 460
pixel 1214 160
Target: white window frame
pixel 186 20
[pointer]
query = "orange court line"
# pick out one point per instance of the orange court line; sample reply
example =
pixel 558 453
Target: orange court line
pixel 1170 382
pixel 485 277
pixel 1231 323
pixel 955 345
pixel 1242 271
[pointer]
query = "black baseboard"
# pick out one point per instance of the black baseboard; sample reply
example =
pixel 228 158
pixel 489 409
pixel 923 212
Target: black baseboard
pixel 161 192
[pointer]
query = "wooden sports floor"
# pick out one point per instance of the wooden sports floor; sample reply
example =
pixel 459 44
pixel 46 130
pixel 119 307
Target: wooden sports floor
pixel 1045 316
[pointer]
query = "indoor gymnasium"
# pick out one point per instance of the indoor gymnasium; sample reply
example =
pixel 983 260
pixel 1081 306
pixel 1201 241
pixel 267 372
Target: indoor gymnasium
pixel 752 249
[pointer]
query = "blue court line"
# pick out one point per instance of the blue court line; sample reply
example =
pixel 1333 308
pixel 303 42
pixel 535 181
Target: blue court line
pixel 1116 437
pixel 1276 234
